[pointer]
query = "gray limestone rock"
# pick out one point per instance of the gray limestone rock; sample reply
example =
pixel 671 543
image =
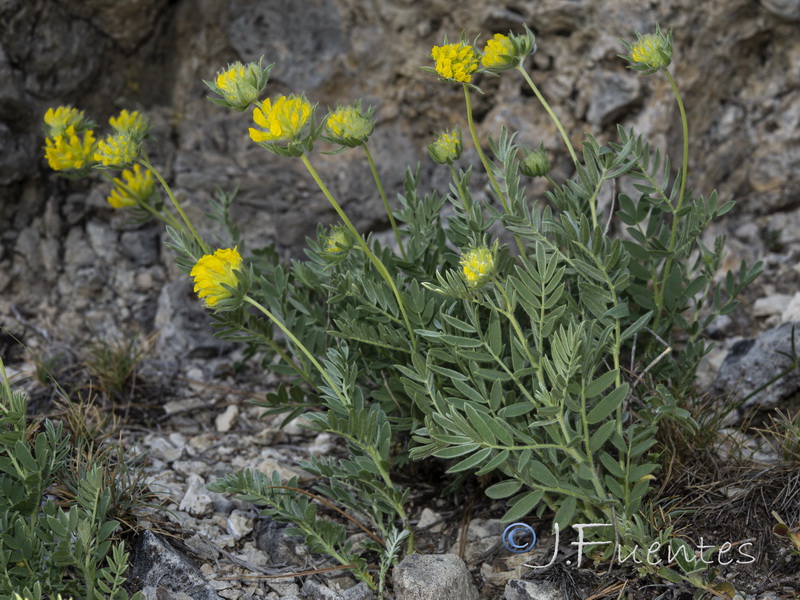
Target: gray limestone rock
pixel 752 363
pixel 426 576
pixel 155 563
pixel 519 589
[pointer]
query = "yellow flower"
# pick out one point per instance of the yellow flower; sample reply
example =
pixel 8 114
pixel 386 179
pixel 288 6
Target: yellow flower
pixel 456 62
pixel 58 120
pixel 118 150
pixel 240 85
pixel 447 147
pixel 338 241
pixel 214 270
pixel 67 151
pixel 134 124
pixel 350 126
pixel 282 120
pixel 137 187
pixel 477 266
pixel 650 52
pixel 499 52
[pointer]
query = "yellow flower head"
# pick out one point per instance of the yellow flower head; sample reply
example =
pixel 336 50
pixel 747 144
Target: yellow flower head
pixel 508 51
pixel 240 85
pixel 133 124
pixel 214 270
pixel 67 151
pixel 650 52
pixel 535 163
pixel 338 241
pixel 350 126
pixel 447 147
pixel 456 62
pixel 477 266
pixel 117 150
pixel 137 187
pixel 498 53
pixel 58 120
pixel 282 120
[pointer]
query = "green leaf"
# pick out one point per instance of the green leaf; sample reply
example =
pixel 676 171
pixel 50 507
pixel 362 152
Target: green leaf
pixel 600 384
pixel 471 462
pixel 611 465
pixel 607 405
pixel 542 474
pixel 480 425
pixel 566 512
pixel 599 437
pixel 454 375
pixel 504 489
pixel 454 451
pixel 495 335
pixel 497 461
pixel 523 506
pixel 458 324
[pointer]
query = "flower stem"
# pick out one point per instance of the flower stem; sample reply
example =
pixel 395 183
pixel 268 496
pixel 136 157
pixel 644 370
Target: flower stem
pixel 287 332
pixel 684 170
pixel 165 216
pixel 481 155
pixel 461 193
pixel 175 203
pixel 376 262
pixel 486 164
pixel 550 112
pixel 385 200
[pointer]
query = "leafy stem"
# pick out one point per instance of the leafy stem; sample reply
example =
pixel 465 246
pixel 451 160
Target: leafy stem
pixel 385 201
pixel 376 262
pixel 176 204
pixel 550 112
pixel 287 332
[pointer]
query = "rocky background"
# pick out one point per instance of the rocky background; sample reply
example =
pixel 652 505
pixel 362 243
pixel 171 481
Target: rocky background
pixel 74 268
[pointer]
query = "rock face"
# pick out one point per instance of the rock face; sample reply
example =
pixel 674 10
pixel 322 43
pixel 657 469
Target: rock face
pixel 425 576
pixel 737 64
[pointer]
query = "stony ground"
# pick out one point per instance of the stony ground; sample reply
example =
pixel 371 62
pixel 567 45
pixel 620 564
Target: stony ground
pixel 73 271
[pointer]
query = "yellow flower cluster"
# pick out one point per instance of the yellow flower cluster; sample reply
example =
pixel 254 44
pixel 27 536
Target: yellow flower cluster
pixel 282 120
pixel 137 187
pixel 455 61
pixel 133 124
pixel 651 51
pixel 58 120
pixel 117 150
pixel 498 53
pixel 233 76
pixel 349 126
pixel 239 84
pixel 477 266
pixel 447 147
pixel 69 151
pixel 213 272
pixel 338 241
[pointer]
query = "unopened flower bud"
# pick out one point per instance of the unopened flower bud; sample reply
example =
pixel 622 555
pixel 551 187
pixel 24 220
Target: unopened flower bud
pixel 447 147
pixel 478 265
pixel 650 52
pixel 349 125
pixel 535 163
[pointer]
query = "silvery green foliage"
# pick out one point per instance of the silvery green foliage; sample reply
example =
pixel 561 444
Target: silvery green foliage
pixel 553 378
pixel 45 549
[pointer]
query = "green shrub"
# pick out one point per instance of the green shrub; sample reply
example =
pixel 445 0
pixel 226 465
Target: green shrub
pixel 542 342
pixel 45 549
